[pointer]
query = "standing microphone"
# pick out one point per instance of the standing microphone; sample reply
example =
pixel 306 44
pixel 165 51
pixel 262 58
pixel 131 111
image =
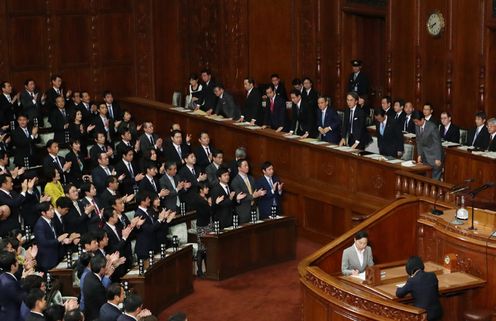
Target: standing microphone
pixel 453 190
pixel 474 193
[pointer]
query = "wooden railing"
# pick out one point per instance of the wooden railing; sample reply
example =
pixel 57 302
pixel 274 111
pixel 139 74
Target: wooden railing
pixel 416 185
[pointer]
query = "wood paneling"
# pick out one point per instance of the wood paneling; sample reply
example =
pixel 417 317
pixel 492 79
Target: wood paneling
pixel 94 45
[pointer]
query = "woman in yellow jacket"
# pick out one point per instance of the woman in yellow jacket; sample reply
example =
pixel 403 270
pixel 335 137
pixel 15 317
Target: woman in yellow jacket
pixel 54 188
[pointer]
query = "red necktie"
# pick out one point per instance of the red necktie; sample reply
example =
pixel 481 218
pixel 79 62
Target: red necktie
pixel 272 105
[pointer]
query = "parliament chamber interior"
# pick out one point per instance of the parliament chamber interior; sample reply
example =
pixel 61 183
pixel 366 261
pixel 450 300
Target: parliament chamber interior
pixel 235 160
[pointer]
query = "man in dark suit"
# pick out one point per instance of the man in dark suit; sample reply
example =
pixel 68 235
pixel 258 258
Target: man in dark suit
pixel 50 249
pixel 115 296
pixel 149 139
pixel 150 182
pixel 175 149
pixel 309 94
pixel 76 221
pixel 245 184
pixel 223 199
pixel 428 112
pixel 358 82
pixel 118 240
pixel 104 124
pixel 54 92
pixel 279 88
pixel 131 175
pixel 354 127
pixel 448 131
pixel 99 147
pixel 110 192
pixel 87 108
pixel 28 209
pixel 478 136
pixel 386 106
pixel 303 116
pixel 491 127
pixel 170 181
pixel 100 173
pixel 225 104
pixel 92 205
pixel 193 174
pixel 31 102
pixel 55 162
pixel 399 114
pixel 126 143
pixel 273 187
pixel 146 234
pixel 59 120
pixel 133 308
pixel 24 140
pixel 93 289
pixel 328 122
pixel 36 303
pixel 114 111
pixel 389 135
pixel 252 111
pixel 211 170
pixel 11 292
pixel 208 88
pixel 429 147
pixel 408 124
pixel 203 152
pixel 275 110
pixel 7 105
pixel 13 200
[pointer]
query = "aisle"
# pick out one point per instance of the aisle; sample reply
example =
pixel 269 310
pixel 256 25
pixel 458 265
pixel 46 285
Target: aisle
pixel 270 293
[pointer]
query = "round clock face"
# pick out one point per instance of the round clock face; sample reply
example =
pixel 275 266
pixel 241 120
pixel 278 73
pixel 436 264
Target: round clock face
pixel 435 24
pixel 447 259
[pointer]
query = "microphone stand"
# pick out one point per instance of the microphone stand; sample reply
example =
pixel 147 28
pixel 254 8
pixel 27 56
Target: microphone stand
pixel 455 189
pixel 474 193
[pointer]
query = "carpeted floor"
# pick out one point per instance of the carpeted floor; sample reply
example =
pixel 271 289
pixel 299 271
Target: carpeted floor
pixel 270 293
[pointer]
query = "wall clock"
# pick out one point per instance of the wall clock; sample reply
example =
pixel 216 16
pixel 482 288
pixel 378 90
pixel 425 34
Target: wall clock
pixel 435 24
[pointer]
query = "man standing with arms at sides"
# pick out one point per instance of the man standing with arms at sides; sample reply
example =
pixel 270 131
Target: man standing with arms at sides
pixel 354 125
pixel 389 136
pixel 279 88
pixel 358 81
pixel 328 122
pixel 273 187
pixel 252 111
pixel 303 119
pixel 408 124
pixel 275 113
pixel 244 183
pixel 429 147
pixel 208 90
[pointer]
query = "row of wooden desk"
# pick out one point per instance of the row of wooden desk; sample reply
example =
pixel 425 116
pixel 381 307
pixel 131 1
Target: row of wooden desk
pixel 325 188
pixel 231 252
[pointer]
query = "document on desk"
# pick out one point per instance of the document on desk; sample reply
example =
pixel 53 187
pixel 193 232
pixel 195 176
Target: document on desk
pixel 376 157
pixel 449 144
pixel 360 276
pixel 400 285
pixel 245 123
pixel 199 112
pixel 254 127
pixel 395 161
pixel 289 136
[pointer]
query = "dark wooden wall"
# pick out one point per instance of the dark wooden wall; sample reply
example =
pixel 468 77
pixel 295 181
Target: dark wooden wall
pixel 93 44
pixel 318 38
pixel 148 48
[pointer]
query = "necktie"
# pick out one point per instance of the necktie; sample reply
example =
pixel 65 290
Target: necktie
pixel 77 208
pixel 31 94
pixel 111 111
pixel 152 140
pixel 248 185
pixel 405 127
pixel 150 216
pixel 115 232
pixel 208 151
pixel 227 190
pixel 193 171
pixel 53 229
pixel 107 171
pixel 351 120
pixel 382 129
pixel 179 151
pixel 130 168
pixel 104 148
pixel 9 99
pixel 323 119
pixel 97 210
pixel 152 181
pixel 63 112
pixel 421 130
pixel 272 105
pixel 56 159
pixel 26 132
pixel 475 136
pixel 58 91
pixel 355 75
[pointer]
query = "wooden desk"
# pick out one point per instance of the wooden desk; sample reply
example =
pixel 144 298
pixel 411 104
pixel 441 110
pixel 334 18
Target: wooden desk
pixel 65 276
pixel 249 247
pixel 324 187
pixel 461 164
pixel 402 229
pixel 449 283
pixel 167 281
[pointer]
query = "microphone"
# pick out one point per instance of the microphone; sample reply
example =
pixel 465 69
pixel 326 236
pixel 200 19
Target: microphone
pixel 453 190
pixel 481 188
